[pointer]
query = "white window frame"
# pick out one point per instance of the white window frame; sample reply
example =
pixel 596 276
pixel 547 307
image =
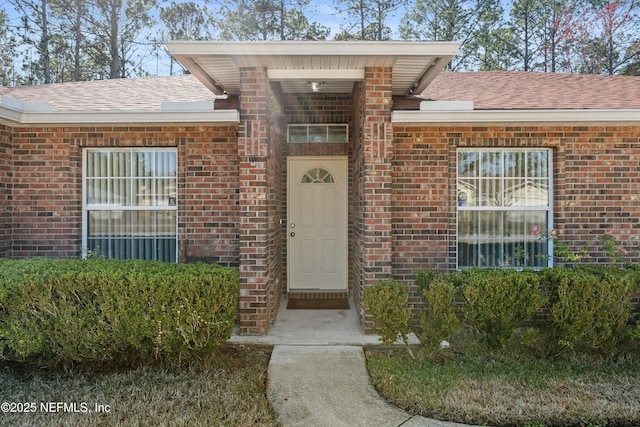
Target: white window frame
pixel 543 234
pixel 86 209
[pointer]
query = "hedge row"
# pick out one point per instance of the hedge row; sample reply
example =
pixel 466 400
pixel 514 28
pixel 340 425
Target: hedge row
pixel 552 311
pixel 67 311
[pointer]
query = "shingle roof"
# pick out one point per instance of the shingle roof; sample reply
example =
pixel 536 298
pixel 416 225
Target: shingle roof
pixel 491 90
pixel 142 94
pixel 519 90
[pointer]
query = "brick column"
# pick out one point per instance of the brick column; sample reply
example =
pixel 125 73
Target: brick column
pixel 253 201
pixel 377 151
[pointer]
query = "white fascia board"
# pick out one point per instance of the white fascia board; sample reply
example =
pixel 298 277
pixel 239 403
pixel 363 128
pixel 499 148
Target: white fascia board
pixel 124 117
pixel 320 48
pixel 518 116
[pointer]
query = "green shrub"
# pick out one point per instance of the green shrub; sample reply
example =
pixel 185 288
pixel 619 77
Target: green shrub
pixel 531 340
pixel 588 307
pixel 438 319
pixel 552 310
pixel 633 330
pixel 66 311
pixel 496 302
pixel 387 301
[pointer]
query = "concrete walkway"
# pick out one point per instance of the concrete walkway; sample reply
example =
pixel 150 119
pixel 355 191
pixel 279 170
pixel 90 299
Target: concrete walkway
pixel 317 374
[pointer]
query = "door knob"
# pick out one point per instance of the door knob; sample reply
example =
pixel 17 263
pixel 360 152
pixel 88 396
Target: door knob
pixel 292 234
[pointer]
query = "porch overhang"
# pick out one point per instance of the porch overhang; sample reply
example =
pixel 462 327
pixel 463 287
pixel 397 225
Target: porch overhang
pixel 337 65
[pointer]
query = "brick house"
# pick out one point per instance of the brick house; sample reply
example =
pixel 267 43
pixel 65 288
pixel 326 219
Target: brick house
pixel 318 168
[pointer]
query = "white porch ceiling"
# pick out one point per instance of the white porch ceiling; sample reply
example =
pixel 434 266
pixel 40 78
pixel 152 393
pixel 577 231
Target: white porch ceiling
pixel 336 64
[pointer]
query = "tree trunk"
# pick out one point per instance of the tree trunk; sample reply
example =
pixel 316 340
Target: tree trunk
pixel 77 38
pixel 46 58
pixel 114 70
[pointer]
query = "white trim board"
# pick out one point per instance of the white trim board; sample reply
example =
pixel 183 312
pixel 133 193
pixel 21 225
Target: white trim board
pixel 620 116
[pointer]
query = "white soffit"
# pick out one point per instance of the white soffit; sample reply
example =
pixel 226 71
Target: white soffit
pixel 336 64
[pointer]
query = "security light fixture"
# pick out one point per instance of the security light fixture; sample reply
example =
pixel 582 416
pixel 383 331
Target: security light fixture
pixel 316 86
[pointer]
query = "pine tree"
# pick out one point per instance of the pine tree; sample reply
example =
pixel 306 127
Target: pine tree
pixel 268 20
pixel 366 20
pixel 8 76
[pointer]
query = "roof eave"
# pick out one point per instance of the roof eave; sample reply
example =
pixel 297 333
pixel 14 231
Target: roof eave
pixel 429 75
pixel 591 116
pixel 316 48
pixel 190 63
pixel 9 115
pixel 13 117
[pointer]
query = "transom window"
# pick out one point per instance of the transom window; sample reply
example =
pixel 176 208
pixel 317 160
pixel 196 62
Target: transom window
pixel 130 203
pixel 318 133
pixel 503 195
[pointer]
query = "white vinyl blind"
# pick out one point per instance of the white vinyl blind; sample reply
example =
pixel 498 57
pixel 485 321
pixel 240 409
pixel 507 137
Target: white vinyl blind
pixel 502 196
pixel 130 203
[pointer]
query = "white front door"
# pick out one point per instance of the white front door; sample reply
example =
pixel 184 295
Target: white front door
pixel 317 223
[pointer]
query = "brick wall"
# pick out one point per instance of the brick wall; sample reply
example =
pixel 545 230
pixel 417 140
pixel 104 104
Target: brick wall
pixel 209 179
pixel 47 190
pixel 317 108
pixel 421 201
pixel 599 187
pixel 596 187
pixel 5 191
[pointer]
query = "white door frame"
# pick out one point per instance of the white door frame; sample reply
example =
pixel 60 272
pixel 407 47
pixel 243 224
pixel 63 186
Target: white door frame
pixel 336 282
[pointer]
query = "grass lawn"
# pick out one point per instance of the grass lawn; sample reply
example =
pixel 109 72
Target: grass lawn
pixel 228 390
pixel 504 390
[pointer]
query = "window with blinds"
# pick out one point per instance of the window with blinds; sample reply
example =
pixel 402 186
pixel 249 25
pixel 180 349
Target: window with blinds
pixel 502 196
pixel 130 203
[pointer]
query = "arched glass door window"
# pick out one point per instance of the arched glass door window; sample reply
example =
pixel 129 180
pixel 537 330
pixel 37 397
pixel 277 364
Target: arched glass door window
pixel 318 176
